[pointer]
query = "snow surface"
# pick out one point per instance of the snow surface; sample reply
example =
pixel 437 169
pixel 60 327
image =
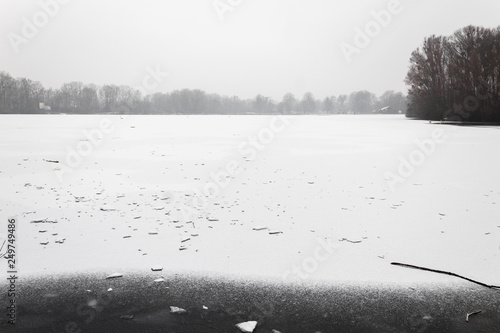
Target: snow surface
pixel 317 180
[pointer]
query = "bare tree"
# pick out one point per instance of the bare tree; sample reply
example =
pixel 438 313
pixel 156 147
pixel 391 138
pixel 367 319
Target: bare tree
pixel 29 95
pixel 288 104
pixel 108 95
pixel 342 104
pixel 362 101
pixel 308 104
pixel 327 105
pixel 89 99
pixel 7 90
pixel 456 77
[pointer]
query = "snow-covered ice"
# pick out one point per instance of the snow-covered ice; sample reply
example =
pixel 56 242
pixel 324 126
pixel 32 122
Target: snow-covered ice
pixel 318 181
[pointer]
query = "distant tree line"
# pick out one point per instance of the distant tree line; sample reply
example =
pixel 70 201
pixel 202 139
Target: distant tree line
pixel 24 96
pixel 456 77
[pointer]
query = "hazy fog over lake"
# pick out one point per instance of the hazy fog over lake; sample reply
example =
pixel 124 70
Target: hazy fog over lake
pixel 241 48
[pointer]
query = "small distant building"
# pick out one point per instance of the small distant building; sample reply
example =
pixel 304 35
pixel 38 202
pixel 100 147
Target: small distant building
pixel 384 110
pixel 42 106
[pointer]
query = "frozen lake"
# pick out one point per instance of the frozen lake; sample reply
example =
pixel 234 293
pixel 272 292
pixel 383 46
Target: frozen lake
pixel 296 199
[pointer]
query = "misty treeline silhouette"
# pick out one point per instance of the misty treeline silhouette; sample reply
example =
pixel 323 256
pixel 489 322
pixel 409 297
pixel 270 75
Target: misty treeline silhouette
pixel 456 77
pixel 24 95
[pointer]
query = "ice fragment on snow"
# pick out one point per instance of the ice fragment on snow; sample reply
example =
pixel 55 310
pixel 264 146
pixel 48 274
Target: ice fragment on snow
pixel 176 310
pixel 247 327
pixel 114 276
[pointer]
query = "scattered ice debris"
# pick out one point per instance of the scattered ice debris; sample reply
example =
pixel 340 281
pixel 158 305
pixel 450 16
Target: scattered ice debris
pixel 81 199
pixel 194 235
pixel 204 307
pixel 247 327
pixel 44 243
pixel 275 331
pixel 114 276
pixel 153 232
pixel 275 232
pixel 350 241
pixel 156 268
pixel 160 280
pixel 110 290
pixel 442 214
pixel 182 248
pixel 51 161
pixel 127 317
pixel 176 310
pixel 60 241
pixel 210 219
pixel 185 239
pixel 44 230
pixel 127 236
pixel 108 209
pixel 43 221
pixel 259 228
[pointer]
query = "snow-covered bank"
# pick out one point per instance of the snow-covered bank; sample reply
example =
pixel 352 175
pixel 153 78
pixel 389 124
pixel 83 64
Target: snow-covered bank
pixel 131 196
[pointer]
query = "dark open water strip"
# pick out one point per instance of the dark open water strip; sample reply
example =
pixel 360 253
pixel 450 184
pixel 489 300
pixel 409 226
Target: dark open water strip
pixel 64 304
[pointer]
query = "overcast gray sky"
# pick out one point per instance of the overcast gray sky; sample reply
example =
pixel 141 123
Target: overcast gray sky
pixel 244 47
